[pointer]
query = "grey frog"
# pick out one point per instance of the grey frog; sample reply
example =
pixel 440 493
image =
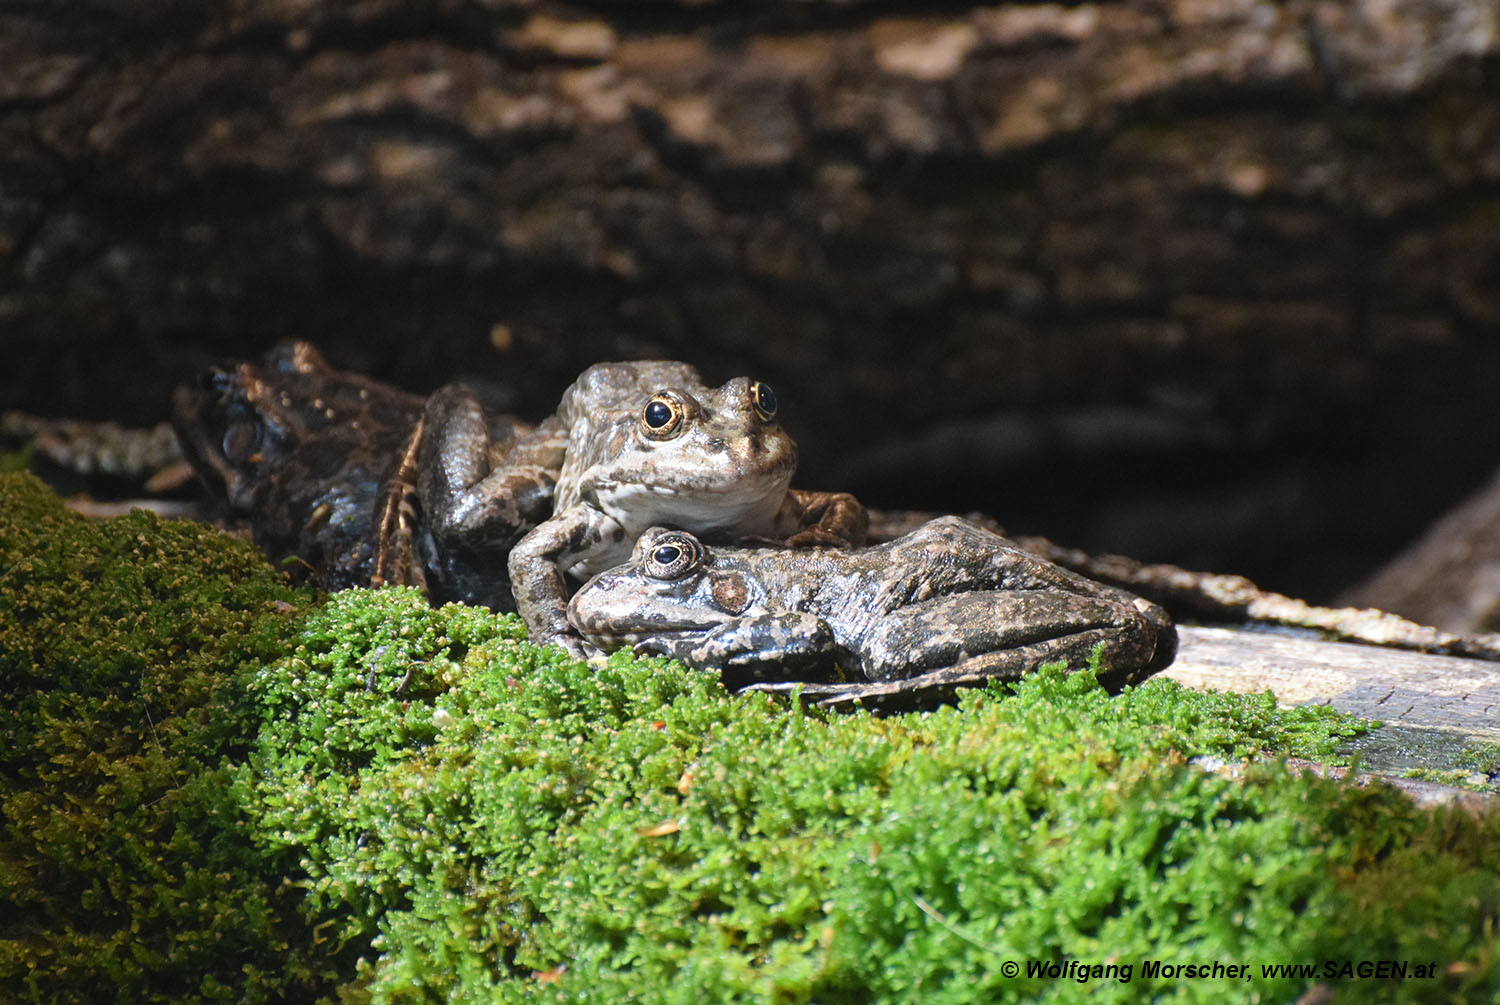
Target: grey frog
pixel 947 605
pixel 649 443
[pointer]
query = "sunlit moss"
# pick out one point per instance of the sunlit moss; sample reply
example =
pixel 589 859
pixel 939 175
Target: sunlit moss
pixel 549 829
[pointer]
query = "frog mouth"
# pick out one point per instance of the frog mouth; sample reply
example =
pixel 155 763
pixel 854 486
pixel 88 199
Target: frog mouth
pixel 616 639
pixel 728 501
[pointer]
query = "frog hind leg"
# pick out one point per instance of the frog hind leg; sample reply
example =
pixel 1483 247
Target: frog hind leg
pixel 396 559
pixel 480 483
pixel 921 654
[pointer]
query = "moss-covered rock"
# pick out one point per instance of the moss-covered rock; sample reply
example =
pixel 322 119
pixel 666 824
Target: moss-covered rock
pixel 215 787
pixel 125 854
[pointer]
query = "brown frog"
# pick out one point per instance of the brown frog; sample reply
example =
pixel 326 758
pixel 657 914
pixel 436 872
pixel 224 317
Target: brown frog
pixel 327 464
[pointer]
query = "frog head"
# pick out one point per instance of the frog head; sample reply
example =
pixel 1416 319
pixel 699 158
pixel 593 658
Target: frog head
pixel 240 425
pixel 672 586
pixel 649 443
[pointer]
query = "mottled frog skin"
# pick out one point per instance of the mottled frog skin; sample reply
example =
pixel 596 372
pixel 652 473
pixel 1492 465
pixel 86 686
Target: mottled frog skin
pixel 901 623
pixel 359 482
pixel 649 443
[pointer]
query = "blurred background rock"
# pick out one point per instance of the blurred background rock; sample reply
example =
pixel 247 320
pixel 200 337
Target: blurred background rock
pixel 1214 282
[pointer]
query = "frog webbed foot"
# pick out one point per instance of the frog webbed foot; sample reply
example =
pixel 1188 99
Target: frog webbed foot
pixel 817 537
pixel 822 520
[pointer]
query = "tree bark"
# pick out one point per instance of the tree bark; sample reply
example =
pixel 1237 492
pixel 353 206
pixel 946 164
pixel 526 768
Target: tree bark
pixel 965 241
pixel 1450 576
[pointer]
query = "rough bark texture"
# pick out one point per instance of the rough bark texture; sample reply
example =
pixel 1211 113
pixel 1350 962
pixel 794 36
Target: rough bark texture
pixel 1150 277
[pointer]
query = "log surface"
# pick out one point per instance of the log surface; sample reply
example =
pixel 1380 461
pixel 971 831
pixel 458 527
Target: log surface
pixel 1401 689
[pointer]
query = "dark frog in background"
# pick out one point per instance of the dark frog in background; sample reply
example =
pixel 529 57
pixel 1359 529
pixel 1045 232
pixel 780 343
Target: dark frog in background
pixel 359 482
pixel 902 623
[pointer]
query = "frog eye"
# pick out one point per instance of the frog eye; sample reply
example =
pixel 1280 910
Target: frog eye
pixel 764 400
pixel 241 440
pixel 673 556
pixel 662 417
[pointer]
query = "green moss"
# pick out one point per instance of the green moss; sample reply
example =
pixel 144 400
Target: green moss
pixel 125 860
pixel 15 460
pixel 1481 757
pixel 550 830
pixel 216 789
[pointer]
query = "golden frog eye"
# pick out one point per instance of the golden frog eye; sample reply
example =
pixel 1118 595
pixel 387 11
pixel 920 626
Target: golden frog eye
pixel 672 556
pixel 764 400
pixel 662 417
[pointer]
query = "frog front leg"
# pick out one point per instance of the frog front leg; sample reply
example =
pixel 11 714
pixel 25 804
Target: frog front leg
pixel 538 576
pixel 822 520
pixel 764 647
